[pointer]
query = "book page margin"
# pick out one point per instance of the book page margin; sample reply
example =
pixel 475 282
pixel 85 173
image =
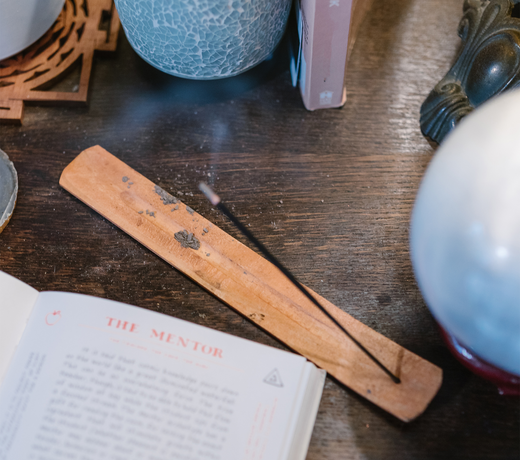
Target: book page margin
pixel 16 303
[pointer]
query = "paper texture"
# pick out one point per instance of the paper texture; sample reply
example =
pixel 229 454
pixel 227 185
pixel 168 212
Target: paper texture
pixel 93 379
pixel 16 302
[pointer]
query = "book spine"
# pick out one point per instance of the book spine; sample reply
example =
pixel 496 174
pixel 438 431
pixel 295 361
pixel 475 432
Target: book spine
pixel 325 40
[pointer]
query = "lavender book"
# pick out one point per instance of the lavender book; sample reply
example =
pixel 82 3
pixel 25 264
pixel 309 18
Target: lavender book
pixel 88 378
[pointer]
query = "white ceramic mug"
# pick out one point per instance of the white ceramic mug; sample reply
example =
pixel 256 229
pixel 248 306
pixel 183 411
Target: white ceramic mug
pixel 22 22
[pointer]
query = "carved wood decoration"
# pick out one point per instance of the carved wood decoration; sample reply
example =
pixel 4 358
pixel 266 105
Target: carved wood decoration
pixel 488 64
pixel 82 27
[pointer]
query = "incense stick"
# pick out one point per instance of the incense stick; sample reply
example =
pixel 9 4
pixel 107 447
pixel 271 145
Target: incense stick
pixel 215 201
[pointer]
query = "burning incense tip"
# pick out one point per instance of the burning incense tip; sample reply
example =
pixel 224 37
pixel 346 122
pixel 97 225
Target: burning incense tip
pixel 215 200
pixel 210 194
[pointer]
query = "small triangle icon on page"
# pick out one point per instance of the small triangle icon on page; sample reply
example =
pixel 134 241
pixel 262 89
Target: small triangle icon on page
pixel 273 378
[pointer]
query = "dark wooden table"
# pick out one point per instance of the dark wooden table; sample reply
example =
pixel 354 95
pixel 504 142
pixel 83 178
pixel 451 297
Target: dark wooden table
pixel 330 192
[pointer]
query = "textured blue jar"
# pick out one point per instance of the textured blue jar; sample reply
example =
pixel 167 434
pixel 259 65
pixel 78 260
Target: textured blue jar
pixel 203 39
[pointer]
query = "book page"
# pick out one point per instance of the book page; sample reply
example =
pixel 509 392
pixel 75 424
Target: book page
pixel 16 302
pixel 307 407
pixel 96 379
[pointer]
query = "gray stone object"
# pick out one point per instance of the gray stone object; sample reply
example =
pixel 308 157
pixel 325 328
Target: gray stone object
pixel 8 189
pixel 203 39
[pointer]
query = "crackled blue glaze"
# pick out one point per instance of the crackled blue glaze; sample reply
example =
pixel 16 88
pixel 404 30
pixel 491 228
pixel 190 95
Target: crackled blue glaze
pixel 203 39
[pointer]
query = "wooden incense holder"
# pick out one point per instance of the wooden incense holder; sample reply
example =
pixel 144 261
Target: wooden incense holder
pixel 250 284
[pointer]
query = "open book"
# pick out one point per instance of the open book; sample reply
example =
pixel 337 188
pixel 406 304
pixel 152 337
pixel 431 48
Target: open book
pixel 88 378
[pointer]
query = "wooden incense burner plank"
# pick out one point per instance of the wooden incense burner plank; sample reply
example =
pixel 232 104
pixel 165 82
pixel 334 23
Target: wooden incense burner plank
pixel 250 284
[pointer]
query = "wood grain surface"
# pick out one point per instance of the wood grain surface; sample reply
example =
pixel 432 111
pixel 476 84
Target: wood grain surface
pixel 330 192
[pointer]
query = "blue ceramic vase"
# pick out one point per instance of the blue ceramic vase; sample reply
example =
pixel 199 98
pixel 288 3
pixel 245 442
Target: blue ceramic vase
pixel 203 39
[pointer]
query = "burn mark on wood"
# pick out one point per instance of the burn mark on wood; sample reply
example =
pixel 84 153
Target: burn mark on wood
pixel 384 299
pixel 257 316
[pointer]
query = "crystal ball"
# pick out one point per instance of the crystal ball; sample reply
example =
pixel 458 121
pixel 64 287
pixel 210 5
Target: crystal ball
pixel 465 233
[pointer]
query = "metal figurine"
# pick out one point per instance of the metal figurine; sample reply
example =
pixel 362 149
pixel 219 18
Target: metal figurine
pixel 488 64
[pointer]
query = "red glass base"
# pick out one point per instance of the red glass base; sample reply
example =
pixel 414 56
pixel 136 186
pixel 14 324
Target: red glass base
pixel 507 383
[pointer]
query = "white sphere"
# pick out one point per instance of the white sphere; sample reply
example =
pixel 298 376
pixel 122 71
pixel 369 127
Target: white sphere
pixel 465 233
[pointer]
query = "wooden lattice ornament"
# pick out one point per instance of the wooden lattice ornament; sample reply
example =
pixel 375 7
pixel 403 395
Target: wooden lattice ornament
pixel 82 27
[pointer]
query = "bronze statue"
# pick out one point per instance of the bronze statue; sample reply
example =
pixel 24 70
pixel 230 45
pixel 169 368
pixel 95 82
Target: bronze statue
pixel 488 64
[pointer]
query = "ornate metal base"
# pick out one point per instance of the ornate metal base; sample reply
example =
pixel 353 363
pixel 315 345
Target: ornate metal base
pixel 488 64
pixel 508 384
